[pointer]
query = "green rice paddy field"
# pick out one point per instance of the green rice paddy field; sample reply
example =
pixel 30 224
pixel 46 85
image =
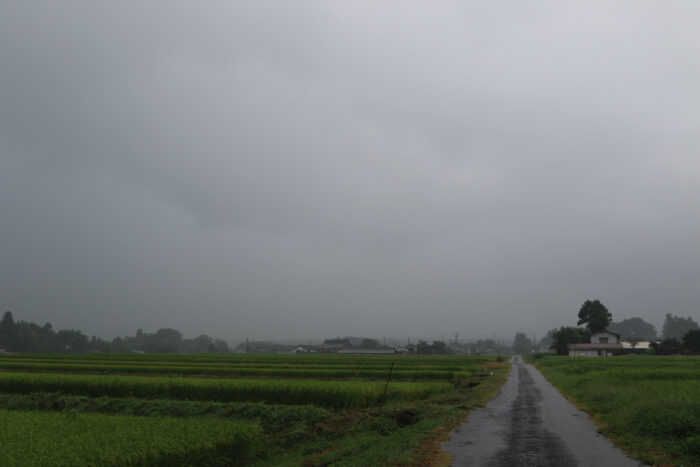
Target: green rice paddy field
pixel 649 405
pixel 236 409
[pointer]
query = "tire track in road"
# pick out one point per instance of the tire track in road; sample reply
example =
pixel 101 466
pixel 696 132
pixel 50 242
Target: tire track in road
pixel 530 423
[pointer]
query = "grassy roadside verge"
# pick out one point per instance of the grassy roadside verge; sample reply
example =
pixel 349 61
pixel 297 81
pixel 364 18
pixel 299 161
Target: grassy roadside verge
pixel 407 434
pixel 650 412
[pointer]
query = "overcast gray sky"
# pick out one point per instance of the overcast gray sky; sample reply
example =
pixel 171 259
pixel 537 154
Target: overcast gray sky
pixel 314 169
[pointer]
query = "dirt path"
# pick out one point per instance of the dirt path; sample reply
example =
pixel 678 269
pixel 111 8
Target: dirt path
pixel 530 423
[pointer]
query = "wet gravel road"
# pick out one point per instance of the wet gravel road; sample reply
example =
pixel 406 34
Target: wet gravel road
pixel 530 423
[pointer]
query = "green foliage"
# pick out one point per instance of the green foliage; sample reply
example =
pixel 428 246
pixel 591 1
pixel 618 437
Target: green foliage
pixel 339 394
pixel 24 336
pixel 691 341
pixel 649 404
pixel 546 341
pixel 273 371
pixel 675 327
pixel 667 347
pixel 594 315
pixel 302 421
pixel 436 348
pixel 521 344
pixel 568 335
pixel 633 329
pixel 267 415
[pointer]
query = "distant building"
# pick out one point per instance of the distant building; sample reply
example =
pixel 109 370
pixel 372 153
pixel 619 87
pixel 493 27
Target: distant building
pixel 605 337
pixel 334 345
pixel 367 351
pixel 303 349
pixel 602 344
pixel 639 345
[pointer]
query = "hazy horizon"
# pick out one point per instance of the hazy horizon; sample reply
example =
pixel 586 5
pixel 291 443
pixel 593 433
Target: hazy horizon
pixel 301 170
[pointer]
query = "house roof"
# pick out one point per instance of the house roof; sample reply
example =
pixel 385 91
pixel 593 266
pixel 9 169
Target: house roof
pixel 594 346
pixel 607 332
pixel 334 344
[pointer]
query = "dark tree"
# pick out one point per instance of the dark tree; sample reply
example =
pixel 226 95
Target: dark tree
pixel 165 341
pixel 521 344
pixel 71 341
pixel 675 327
pixel 221 346
pixel 367 342
pixel 594 315
pixel 423 347
pixel 22 336
pixel 8 332
pixel 667 347
pixel 691 341
pixel 7 321
pixel 569 335
pixel 546 341
pixel 440 348
pixel 634 328
pixel 200 344
pixel 120 345
pixel 437 347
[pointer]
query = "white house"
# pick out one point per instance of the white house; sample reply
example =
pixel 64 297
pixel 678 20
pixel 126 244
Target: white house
pixel 605 337
pixel 602 344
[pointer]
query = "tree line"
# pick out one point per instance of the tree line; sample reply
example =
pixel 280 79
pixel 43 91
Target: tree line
pixel 23 336
pixel 678 335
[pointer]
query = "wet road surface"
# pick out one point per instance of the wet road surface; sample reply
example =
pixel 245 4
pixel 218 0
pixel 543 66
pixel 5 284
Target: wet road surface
pixel 530 423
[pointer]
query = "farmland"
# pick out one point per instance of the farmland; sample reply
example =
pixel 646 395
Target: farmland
pixel 235 409
pixel 649 405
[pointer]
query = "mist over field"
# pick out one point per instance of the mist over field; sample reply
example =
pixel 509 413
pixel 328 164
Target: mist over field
pixel 302 170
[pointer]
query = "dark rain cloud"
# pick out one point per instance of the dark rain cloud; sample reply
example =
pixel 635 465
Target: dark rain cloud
pixel 315 169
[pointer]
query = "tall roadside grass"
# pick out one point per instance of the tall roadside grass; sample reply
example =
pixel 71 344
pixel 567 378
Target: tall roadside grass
pixel 649 405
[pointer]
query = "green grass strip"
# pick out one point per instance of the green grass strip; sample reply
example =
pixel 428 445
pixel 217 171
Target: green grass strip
pixel 649 405
pixel 337 394
pixel 219 370
pixel 56 439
